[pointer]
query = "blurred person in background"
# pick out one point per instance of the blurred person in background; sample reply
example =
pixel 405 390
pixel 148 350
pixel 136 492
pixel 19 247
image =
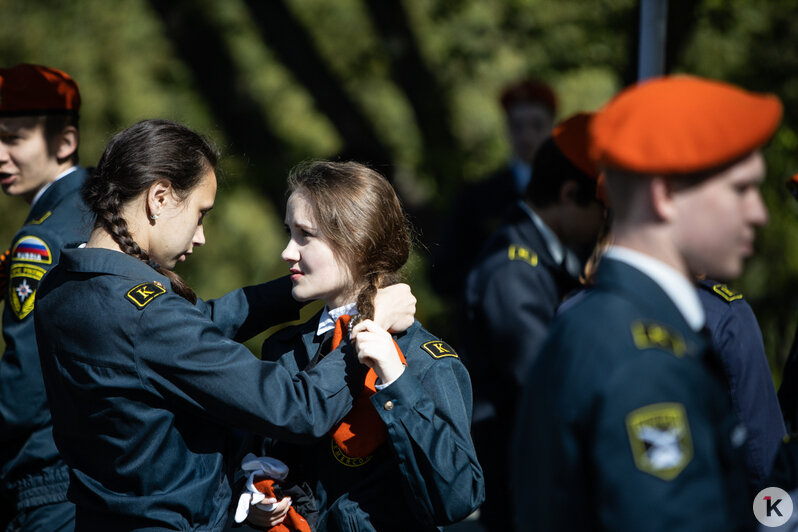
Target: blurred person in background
pixel 530 108
pixel 526 269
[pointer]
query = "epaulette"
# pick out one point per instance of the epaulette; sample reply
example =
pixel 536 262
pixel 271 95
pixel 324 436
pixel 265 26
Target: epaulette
pixel 515 252
pixel 725 292
pixel 143 294
pixel 438 349
pixel 39 220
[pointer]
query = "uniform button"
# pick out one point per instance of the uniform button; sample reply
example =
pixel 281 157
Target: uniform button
pixel 388 405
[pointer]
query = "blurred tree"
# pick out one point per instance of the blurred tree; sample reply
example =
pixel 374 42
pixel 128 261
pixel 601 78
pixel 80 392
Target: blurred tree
pixel 409 86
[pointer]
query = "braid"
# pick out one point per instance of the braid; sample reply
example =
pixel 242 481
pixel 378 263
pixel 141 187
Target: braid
pixel 365 299
pixel 116 226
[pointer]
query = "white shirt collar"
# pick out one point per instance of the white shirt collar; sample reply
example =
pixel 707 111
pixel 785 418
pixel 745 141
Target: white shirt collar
pixel 556 248
pixel 679 289
pixel 45 187
pixel 329 317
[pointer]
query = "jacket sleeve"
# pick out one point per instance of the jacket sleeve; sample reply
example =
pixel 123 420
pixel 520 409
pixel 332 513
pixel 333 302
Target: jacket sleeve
pixel 667 449
pixel 185 359
pixel 428 429
pixel 248 311
pixel 738 342
pixel 518 306
pixel 23 403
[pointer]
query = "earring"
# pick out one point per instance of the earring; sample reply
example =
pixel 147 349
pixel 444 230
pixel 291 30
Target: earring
pixel 153 216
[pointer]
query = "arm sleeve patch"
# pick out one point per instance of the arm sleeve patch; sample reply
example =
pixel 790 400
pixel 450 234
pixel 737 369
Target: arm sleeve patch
pixel 651 335
pixel 143 294
pixel 31 249
pixel 438 349
pixel 23 280
pixel 660 439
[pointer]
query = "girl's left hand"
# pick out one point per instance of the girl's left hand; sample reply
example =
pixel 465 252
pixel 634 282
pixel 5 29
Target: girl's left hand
pixel 375 349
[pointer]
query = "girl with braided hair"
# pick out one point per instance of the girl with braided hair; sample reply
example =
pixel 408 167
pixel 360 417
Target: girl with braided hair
pixel 403 458
pixel 147 384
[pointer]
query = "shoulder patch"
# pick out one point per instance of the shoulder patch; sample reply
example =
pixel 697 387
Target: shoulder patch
pixel 23 280
pixel 726 293
pixel 31 249
pixel 660 439
pixel 143 294
pixel 43 217
pixel 648 335
pixel 438 349
pixel 521 253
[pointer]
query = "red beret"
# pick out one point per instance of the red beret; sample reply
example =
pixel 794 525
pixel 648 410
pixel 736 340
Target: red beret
pixel 530 91
pixel 681 125
pixel 571 136
pixel 33 89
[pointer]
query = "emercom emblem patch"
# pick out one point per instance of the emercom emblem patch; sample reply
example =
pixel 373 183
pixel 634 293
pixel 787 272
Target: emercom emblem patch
pixel 438 349
pixel 660 439
pixel 345 459
pixel 143 294
pixel 23 280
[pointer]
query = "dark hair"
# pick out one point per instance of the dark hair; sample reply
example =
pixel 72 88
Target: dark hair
pixel 54 125
pixel 135 159
pixel 550 171
pixel 357 211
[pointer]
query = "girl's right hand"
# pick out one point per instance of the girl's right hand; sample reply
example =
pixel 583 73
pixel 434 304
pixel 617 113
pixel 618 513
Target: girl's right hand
pixel 376 349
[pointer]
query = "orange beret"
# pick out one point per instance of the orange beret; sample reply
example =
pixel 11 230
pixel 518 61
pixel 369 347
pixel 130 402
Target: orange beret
pixel 27 89
pixel 680 125
pixel 531 91
pixel 571 136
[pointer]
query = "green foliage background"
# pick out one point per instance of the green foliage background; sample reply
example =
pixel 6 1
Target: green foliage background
pixel 127 66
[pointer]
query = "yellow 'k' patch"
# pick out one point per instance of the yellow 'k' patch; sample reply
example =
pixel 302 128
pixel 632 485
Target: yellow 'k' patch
pixel 143 294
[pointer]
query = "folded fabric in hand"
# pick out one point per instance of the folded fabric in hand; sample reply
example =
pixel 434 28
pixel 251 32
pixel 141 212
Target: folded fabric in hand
pixel 263 472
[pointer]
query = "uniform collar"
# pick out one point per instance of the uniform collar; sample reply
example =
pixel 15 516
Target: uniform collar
pixel 52 193
pixel 329 317
pixel 559 253
pixel 99 260
pixel 675 285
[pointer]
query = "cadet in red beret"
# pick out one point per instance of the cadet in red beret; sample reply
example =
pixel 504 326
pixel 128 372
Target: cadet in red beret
pixel 38 164
pixel 528 266
pixel 626 422
pixel 479 209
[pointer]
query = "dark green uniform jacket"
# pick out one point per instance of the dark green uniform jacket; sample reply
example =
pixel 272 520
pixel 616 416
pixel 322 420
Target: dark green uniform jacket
pixel 626 422
pixel 426 474
pixel 145 388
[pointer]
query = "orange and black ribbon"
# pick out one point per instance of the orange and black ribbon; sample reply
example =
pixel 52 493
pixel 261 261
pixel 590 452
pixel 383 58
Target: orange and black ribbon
pixel 362 430
pixel 5 264
pixel 293 522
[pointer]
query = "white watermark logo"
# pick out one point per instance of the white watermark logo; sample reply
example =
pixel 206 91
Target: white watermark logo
pixel 772 507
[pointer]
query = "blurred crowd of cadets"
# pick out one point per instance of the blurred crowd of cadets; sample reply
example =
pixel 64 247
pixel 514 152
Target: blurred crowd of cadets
pixel 140 59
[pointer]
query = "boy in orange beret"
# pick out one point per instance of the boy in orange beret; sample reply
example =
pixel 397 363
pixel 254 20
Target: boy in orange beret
pixel 39 164
pixel 626 422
